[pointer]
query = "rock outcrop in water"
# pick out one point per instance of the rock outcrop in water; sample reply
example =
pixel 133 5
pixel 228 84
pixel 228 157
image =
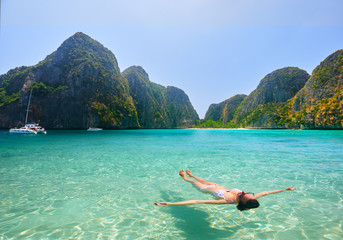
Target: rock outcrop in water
pixel 80 86
pixel 158 106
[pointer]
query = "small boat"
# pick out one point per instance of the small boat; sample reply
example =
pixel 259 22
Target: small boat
pixel 94 129
pixel 23 130
pixel 29 128
pixel 36 127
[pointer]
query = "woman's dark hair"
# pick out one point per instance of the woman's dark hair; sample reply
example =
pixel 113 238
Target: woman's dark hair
pixel 252 203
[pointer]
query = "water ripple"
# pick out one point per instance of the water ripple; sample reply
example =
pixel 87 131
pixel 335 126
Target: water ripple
pixel 103 186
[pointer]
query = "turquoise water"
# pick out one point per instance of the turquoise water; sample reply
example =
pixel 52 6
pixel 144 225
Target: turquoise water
pixel 102 185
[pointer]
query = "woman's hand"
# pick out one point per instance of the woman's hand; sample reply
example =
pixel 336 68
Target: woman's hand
pixel 161 204
pixel 261 194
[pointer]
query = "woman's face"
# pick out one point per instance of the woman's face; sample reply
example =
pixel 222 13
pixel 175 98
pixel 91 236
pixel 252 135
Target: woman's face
pixel 243 197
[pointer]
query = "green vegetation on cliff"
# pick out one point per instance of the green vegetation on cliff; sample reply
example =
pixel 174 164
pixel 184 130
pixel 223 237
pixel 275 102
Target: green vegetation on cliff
pixel 276 87
pixel 41 89
pixel 80 86
pixel 214 124
pixel 158 106
pixel 326 113
pixel 9 85
pixel 224 112
pixel 316 105
pixel 68 85
pixel 320 103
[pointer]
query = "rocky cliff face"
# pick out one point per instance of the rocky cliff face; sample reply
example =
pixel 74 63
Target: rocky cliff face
pixel 320 103
pixel 76 87
pixel 158 106
pixel 223 112
pixel 276 87
pixel 178 104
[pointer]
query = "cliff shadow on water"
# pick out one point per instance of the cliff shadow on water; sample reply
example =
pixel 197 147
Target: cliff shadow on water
pixel 194 223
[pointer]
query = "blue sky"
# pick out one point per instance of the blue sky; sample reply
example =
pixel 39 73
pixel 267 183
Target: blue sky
pixel 210 49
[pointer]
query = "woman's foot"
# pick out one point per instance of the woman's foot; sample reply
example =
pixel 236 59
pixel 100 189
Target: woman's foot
pixel 182 173
pixel 189 173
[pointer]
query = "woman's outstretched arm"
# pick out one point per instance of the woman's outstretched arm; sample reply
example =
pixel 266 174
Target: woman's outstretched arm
pixel 261 194
pixel 191 202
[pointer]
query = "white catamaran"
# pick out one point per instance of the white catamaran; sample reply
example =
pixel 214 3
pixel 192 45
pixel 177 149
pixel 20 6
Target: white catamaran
pixel 29 128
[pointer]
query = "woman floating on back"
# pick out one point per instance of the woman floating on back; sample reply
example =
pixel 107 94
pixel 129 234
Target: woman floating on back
pixel 223 195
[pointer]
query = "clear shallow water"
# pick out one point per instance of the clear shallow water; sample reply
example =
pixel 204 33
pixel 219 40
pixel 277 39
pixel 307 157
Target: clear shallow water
pixel 102 185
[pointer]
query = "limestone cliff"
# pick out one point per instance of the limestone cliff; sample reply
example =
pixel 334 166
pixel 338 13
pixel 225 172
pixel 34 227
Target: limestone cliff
pixel 158 106
pixel 77 86
pixel 276 87
pixel 80 86
pixel 223 112
pixel 318 105
pixel 178 104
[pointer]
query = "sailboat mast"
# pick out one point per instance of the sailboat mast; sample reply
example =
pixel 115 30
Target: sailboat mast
pixel 28 107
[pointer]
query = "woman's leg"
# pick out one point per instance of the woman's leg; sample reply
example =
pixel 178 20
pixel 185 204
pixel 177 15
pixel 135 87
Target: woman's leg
pixel 200 179
pixel 195 183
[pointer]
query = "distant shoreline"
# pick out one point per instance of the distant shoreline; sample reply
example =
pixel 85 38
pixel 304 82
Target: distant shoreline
pixel 222 128
pixel 320 129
